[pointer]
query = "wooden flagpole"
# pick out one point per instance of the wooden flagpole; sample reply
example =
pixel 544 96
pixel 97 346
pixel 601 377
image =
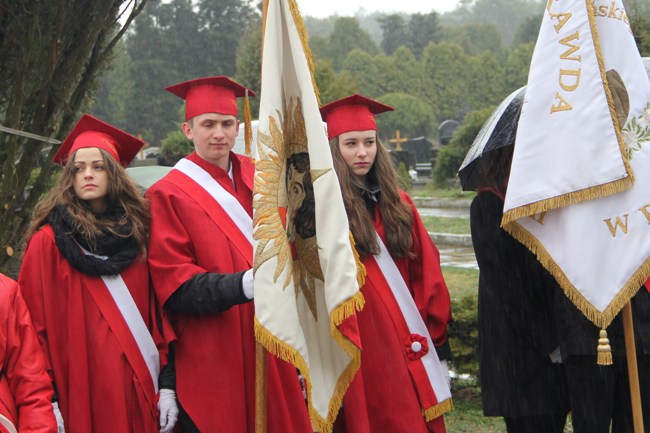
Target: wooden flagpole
pixel 261 380
pixel 632 368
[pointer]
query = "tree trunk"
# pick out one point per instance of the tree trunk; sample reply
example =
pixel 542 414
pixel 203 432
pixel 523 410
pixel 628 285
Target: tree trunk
pixel 51 53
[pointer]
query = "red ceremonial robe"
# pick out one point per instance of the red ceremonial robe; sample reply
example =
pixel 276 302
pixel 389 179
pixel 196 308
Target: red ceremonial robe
pixel 215 354
pixel 102 386
pixel 25 388
pixel 391 392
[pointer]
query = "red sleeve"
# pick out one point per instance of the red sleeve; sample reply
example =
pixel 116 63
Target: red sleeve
pixel 25 369
pixel 33 280
pixel 426 281
pixel 171 253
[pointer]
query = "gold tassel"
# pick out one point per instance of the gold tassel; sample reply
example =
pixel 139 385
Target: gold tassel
pixel 604 349
pixel 361 269
pixel 248 131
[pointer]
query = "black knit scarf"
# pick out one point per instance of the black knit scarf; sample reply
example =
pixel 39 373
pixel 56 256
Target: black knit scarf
pixel 120 250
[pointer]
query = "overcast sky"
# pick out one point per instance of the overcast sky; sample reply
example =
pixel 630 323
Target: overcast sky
pixel 325 8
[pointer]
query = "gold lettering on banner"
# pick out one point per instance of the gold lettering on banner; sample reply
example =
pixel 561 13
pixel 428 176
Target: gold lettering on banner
pixel 618 223
pixel 568 77
pixel 572 48
pixel 611 11
pixel 562 104
pixel 645 212
pixel 538 218
pixel 561 18
pixel 575 73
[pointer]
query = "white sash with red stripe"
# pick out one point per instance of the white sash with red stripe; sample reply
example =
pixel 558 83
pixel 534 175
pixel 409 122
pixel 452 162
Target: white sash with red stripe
pixel 432 366
pixel 131 314
pixel 236 211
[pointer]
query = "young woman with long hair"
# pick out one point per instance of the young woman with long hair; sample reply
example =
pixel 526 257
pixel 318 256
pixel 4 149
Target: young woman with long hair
pixel 86 283
pixel 401 385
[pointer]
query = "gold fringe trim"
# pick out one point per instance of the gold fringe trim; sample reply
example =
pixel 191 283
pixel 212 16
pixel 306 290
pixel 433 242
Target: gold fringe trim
pixel 287 353
pixel 598 318
pixel 304 38
pixel 597 191
pixel 361 269
pixel 591 13
pixel 438 410
pixel 345 310
pixel 248 131
pixel 604 349
pixel 568 199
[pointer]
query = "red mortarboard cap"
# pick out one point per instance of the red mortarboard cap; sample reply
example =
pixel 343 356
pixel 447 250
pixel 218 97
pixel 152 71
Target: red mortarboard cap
pixel 92 132
pixel 352 113
pixel 209 95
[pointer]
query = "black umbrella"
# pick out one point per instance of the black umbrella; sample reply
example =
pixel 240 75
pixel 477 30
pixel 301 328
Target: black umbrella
pixel 498 131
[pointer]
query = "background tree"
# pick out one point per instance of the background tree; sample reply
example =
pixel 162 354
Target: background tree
pixel 517 66
pixel 347 36
pixel 446 76
pixel 361 68
pixel 113 88
pixel 451 156
pixel 487 81
pixel 332 86
pixel 412 116
pixel 394 31
pixel 249 61
pixel 222 24
pixel 476 38
pixel 639 14
pixel 50 60
pixel 527 31
pixel 423 29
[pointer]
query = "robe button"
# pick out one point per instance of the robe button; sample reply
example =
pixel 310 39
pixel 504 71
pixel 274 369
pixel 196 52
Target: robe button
pixel 416 346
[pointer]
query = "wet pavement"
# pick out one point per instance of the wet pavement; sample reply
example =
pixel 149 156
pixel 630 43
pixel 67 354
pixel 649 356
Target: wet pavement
pixel 452 254
pixel 444 212
pixel 459 257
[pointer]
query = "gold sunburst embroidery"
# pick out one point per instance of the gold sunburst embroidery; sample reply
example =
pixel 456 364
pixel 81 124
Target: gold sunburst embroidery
pixel 275 209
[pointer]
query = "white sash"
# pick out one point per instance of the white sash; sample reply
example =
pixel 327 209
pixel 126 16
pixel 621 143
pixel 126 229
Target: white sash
pixel 125 303
pixel 227 201
pixel 7 424
pixel 414 321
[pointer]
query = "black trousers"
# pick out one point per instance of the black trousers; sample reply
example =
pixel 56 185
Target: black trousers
pixel 185 422
pixel 536 424
pixel 600 395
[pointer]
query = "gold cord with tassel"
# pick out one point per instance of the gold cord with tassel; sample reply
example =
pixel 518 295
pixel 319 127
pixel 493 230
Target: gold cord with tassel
pixel 248 131
pixel 604 349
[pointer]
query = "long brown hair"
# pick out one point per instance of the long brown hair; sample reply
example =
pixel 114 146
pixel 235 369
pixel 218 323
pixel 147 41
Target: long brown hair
pixel 122 193
pixel 396 215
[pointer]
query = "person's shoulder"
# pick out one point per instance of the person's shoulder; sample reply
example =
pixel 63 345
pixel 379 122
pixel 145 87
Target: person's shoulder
pixel 405 197
pixel 8 293
pixel 41 240
pixel 7 284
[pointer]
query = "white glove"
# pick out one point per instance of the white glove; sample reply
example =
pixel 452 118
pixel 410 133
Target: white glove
pixel 60 427
pixel 445 369
pixel 168 410
pixel 247 284
pixel 556 356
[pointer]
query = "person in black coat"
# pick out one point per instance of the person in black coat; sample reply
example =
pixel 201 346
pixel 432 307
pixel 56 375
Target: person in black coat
pixel 521 376
pixel 600 395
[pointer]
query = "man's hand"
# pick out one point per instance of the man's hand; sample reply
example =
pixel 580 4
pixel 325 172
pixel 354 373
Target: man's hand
pixel 168 410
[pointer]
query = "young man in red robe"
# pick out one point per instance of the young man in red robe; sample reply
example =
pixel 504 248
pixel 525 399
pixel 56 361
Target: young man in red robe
pixel 201 256
pixel 25 388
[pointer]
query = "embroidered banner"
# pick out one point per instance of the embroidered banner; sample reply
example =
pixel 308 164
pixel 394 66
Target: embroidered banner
pixel 306 287
pixel 578 195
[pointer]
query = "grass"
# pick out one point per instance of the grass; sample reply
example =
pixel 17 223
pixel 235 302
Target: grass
pixel 429 190
pixel 467 416
pixel 460 281
pixel 459 226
